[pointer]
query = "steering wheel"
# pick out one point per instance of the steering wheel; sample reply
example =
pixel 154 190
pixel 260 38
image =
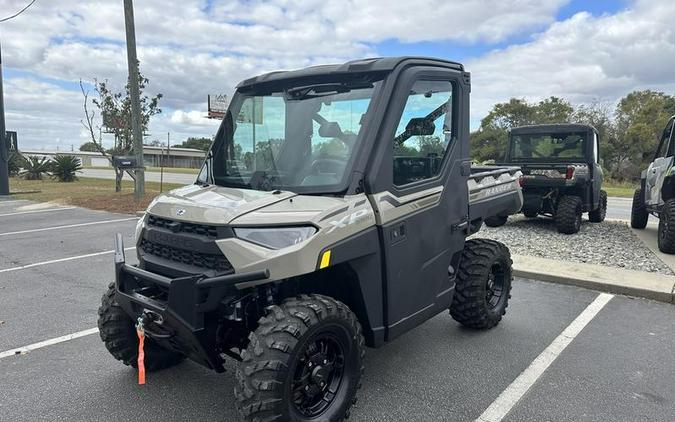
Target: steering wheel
pixel 327 165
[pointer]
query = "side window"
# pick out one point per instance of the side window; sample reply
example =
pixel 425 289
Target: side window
pixel 665 141
pixel 424 132
pixel 671 149
pixel 596 148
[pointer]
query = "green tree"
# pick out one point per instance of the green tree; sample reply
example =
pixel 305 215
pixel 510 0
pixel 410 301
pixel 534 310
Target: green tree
pixel 640 119
pixel 89 147
pixel 115 111
pixel 197 143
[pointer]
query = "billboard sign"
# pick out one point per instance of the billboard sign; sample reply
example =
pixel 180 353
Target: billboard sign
pixel 11 139
pixel 217 106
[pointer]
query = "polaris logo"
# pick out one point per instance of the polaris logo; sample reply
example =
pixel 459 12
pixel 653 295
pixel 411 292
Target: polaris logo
pixel 180 212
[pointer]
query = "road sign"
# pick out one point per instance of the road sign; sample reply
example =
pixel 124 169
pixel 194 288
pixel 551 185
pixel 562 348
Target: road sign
pixel 217 106
pixel 11 139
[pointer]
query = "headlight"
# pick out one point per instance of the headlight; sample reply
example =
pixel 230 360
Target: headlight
pixel 139 226
pixel 275 237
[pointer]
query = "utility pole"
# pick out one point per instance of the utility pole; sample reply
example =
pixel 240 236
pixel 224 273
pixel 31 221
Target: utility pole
pixel 139 186
pixel 4 157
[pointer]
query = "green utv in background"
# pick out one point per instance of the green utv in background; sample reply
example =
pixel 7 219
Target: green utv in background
pixel 656 195
pixel 562 177
pixel 330 214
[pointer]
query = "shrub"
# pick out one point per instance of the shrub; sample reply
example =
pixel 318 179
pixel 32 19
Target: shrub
pixel 35 167
pixel 64 168
pixel 16 161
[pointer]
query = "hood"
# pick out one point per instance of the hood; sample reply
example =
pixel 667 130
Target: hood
pixel 212 204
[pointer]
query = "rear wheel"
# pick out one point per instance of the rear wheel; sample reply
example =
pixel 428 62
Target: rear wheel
pixel 598 215
pixel 303 363
pixel 496 221
pixel 568 214
pixel 667 227
pixel 118 332
pixel 483 284
pixel 639 215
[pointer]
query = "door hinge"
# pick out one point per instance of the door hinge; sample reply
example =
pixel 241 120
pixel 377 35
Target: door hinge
pixel 462 225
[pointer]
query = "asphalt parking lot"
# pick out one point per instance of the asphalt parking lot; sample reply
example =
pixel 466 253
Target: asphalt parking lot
pixel 54 266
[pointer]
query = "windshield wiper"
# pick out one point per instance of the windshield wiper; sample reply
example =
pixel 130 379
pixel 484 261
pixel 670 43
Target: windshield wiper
pixel 322 90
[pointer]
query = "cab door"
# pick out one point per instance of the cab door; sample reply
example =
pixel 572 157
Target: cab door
pixel 658 169
pixel 423 205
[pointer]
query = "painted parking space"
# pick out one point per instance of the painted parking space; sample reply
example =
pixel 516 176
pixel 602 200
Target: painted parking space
pixel 438 371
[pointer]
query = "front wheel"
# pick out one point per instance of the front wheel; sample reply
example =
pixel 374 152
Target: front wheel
pixel 118 333
pixel 303 363
pixel 568 214
pixel 598 215
pixel 483 284
pixel 667 227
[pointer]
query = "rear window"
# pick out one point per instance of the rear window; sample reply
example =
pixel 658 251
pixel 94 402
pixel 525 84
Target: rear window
pixel 559 146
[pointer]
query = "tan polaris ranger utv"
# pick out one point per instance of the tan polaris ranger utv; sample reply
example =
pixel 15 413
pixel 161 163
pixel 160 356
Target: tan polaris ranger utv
pixel 330 214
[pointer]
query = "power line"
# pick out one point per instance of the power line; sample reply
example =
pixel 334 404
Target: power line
pixel 17 13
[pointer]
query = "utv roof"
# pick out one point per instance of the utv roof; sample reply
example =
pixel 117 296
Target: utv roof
pixel 376 64
pixel 552 128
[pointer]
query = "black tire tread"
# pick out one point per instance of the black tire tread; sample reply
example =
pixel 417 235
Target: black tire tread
pixel 468 305
pixel 598 215
pixel 496 221
pixel 639 215
pixel 265 361
pixel 667 235
pixel 118 333
pixel 567 213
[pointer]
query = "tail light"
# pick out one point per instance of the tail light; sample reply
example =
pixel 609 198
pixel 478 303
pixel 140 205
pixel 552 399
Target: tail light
pixel 521 181
pixel 570 172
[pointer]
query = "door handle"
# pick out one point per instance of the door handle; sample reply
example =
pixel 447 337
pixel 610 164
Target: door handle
pixel 397 233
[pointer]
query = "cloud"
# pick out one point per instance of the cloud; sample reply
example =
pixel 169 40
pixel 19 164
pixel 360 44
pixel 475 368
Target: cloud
pixel 583 59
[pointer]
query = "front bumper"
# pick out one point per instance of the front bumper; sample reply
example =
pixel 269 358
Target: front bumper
pixel 177 307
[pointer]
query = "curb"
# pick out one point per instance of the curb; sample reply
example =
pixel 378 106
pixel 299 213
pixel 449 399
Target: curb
pixel 597 277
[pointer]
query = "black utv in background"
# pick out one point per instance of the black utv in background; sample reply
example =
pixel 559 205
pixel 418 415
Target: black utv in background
pixel 562 177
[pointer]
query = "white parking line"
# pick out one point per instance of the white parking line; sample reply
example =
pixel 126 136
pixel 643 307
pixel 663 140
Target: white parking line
pixel 55 261
pixel 36 211
pixel 514 392
pixel 34 346
pixel 69 226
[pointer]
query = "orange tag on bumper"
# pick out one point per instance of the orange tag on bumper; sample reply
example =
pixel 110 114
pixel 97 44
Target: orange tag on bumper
pixel 141 357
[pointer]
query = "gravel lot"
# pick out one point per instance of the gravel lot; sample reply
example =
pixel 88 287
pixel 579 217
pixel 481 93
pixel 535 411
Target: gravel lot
pixel 608 243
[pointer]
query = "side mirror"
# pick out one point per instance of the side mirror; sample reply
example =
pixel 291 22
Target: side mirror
pixel 419 126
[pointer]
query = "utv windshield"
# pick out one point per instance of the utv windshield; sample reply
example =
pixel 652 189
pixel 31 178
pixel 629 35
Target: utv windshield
pixel 548 147
pixel 297 138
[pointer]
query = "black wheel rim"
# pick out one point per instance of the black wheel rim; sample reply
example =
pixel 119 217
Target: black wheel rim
pixel 318 375
pixel 494 290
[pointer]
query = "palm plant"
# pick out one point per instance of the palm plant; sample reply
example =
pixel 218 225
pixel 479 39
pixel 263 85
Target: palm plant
pixel 35 167
pixel 16 161
pixel 64 168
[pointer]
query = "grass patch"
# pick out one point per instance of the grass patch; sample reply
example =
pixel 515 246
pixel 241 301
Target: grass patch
pixel 180 170
pixel 96 194
pixel 619 189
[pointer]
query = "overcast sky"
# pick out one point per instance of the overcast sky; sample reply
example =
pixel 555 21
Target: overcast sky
pixel 584 51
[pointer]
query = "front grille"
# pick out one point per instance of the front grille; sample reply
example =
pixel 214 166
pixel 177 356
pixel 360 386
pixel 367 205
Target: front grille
pixel 182 227
pixel 217 262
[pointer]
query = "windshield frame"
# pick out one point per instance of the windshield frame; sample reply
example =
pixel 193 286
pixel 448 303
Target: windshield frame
pixel 224 135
